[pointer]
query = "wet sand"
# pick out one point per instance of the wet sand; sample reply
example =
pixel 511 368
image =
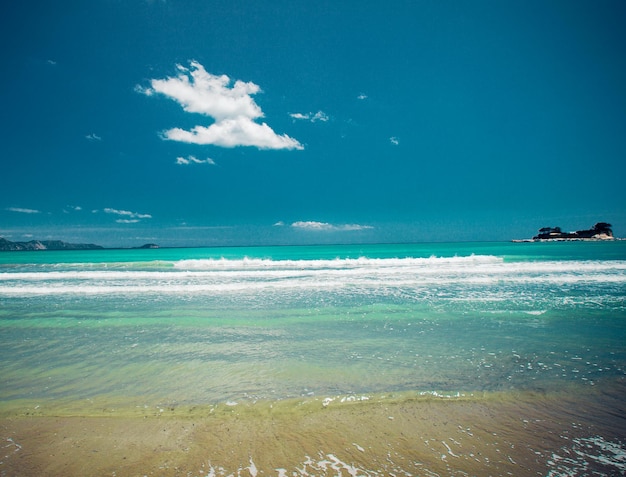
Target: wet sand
pixel 529 434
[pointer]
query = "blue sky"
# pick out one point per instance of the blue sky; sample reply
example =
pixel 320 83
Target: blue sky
pixel 275 122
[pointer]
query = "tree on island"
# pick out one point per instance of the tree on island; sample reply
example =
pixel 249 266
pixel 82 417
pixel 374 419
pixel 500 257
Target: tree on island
pixel 599 229
pixel 547 232
pixel 603 228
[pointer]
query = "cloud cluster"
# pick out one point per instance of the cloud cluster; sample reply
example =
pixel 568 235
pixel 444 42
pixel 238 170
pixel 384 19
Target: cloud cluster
pixel 319 116
pixel 126 216
pixel 326 227
pixel 232 108
pixel 185 161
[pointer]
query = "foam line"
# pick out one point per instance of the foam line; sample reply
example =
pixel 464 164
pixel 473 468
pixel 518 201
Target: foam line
pixel 223 276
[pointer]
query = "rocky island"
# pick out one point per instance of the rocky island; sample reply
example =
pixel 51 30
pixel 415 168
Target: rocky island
pixel 6 245
pixel 600 231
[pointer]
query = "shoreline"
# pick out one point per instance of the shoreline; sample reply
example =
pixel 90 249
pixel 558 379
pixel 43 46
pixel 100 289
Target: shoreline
pixel 498 433
pixel 105 407
pixel 122 407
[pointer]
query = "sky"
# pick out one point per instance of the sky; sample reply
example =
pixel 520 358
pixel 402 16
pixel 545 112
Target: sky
pixel 192 123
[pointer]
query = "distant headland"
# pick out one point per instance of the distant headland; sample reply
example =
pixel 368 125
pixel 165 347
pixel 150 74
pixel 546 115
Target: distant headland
pixel 600 231
pixel 34 245
pixel 6 245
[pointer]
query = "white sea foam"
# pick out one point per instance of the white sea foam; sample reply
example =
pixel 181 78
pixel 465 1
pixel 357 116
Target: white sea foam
pixel 587 456
pixel 337 263
pixel 221 276
pixel 324 465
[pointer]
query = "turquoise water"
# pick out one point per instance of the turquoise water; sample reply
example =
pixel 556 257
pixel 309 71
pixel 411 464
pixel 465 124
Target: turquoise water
pixel 225 325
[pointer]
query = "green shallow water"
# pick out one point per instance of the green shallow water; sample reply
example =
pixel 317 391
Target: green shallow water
pixel 195 357
pixel 207 326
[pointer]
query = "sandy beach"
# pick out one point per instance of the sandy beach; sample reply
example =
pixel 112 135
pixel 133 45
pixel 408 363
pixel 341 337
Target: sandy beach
pixel 495 435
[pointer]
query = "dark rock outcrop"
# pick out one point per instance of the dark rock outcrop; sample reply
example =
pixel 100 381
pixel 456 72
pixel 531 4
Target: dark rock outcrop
pixel 600 231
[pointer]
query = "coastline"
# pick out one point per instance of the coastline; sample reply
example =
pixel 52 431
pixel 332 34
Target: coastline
pixel 610 239
pixel 498 433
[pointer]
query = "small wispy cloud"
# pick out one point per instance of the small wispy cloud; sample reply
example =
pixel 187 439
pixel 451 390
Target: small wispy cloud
pixel 126 216
pixel 93 137
pixel 327 227
pixel 51 62
pixel 72 208
pixel 185 161
pixel 232 108
pixel 361 96
pixel 312 225
pixel 394 140
pixel 313 117
pixel 21 210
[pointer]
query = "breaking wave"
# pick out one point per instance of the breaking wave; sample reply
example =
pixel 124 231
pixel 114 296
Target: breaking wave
pixel 471 278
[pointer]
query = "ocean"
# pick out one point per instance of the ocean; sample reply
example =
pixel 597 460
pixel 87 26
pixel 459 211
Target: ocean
pixel 151 332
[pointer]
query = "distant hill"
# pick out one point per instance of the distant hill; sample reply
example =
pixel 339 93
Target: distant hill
pixel 148 246
pixel 6 245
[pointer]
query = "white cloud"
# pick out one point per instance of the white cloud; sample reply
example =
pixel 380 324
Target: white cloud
pixel 299 116
pixel 361 96
pixel 185 161
pixel 324 226
pixel 240 131
pixel 312 225
pixel 319 116
pixel 128 217
pixel 349 227
pixel 93 137
pixel 394 140
pixel 280 223
pixel 21 210
pixel 198 91
pixel 232 108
